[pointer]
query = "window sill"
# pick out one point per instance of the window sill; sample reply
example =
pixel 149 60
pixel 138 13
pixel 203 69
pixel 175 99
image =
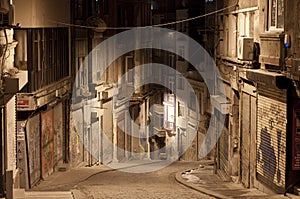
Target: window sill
pixel 271 34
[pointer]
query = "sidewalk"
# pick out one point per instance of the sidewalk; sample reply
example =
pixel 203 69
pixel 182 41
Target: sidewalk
pixel 65 181
pixel 203 180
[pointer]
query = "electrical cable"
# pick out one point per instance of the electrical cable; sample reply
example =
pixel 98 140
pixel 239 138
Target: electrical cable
pixel 155 25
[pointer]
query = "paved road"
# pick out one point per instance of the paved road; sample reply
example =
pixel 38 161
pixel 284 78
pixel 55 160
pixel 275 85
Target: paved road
pixel 117 184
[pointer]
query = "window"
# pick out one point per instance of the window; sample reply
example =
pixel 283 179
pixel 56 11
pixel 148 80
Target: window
pixel 276 14
pixel 48 59
pixel 181 109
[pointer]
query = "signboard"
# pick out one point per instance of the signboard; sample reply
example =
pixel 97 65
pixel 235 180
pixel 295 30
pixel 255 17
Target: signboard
pixel 25 102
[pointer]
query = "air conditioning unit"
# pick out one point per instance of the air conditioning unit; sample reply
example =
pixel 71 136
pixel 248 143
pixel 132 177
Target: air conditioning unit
pixel 245 48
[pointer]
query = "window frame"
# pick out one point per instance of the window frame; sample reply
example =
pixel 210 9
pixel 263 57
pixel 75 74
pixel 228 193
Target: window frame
pixel 275 27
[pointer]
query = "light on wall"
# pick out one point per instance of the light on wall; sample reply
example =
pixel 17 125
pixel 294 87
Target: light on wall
pixel 287 41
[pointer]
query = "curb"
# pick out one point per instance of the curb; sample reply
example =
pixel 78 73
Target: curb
pixel 182 181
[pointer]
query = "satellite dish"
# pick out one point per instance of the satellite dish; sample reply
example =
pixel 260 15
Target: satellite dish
pixel 97 22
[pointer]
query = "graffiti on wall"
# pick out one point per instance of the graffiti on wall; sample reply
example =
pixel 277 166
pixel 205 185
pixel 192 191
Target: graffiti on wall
pixel 76 149
pixel 271 140
pixel 47 143
pixel 58 133
pixel 267 157
pixel 33 137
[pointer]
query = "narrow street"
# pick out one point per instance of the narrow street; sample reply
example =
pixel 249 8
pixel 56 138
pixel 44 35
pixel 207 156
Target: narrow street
pixel 102 182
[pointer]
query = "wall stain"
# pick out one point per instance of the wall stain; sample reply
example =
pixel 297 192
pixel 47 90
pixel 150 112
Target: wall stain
pixel 268 158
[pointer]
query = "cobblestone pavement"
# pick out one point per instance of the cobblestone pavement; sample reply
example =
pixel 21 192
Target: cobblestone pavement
pixel 117 184
pixel 108 183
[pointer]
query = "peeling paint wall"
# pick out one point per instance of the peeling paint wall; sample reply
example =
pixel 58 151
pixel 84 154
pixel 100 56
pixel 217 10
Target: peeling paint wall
pixel 76 146
pixel 47 143
pixel 34 144
pixel 58 134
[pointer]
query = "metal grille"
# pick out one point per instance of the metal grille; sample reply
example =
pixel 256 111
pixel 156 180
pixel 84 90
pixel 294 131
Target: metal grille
pixel 271 138
pixel 47 51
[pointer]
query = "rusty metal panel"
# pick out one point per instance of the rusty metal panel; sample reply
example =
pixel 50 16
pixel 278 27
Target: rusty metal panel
pixel 34 147
pixel 271 139
pixel 58 133
pixel 47 141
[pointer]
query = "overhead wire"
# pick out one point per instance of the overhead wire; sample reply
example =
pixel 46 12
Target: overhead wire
pixel 148 26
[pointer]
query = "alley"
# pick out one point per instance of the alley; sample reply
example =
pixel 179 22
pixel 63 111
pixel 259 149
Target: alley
pixel 102 182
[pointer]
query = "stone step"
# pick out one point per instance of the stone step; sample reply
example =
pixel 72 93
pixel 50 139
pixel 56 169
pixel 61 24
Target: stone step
pixel 48 195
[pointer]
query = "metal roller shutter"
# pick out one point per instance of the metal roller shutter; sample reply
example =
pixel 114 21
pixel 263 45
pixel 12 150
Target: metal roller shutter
pixel 271 138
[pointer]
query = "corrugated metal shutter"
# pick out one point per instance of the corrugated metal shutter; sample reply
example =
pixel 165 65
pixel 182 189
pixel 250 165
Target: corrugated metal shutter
pixel 271 138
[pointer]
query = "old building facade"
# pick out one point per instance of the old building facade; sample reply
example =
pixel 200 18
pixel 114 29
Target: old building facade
pixel 42 118
pixel 257 57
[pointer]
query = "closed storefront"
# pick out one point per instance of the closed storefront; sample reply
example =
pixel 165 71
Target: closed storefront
pixel 271 138
pixel 58 127
pixel 47 143
pixel 34 152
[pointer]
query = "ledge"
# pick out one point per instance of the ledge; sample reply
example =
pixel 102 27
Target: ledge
pixel 271 35
pixel 268 78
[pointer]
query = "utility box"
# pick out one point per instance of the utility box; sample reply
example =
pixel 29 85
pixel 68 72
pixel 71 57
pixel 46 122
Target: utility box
pixel 245 48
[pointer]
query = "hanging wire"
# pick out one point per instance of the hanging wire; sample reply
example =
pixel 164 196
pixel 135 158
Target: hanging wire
pixel 155 25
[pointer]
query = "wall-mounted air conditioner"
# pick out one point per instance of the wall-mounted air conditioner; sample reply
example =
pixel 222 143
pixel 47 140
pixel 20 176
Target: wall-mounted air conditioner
pixel 245 48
